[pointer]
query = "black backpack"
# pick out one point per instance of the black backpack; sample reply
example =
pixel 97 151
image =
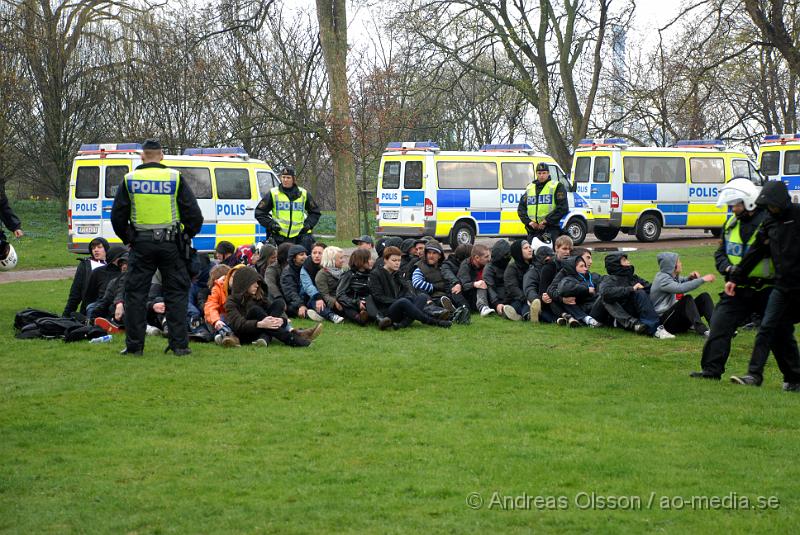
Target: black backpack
pixel 28 316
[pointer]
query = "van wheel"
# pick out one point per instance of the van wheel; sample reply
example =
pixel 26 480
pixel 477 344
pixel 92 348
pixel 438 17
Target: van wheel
pixel 462 234
pixel 576 229
pixel 649 228
pixel 606 233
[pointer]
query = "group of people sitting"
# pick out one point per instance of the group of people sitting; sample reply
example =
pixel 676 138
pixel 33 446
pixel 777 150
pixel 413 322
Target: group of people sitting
pixel 251 294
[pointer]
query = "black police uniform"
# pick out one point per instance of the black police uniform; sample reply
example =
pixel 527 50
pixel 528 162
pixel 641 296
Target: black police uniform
pixel 732 311
pixel 151 250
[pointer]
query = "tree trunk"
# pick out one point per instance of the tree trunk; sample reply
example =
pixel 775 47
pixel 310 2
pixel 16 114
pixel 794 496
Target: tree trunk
pixel 332 17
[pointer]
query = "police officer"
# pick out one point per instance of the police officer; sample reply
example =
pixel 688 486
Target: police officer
pixel 288 212
pixel 8 257
pixel 738 234
pixel 152 207
pixel 777 240
pixel 543 205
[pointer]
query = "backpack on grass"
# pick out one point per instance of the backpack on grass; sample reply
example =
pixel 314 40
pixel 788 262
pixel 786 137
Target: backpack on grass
pixel 28 316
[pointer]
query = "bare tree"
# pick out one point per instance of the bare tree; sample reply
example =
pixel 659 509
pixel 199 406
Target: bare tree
pixel 779 25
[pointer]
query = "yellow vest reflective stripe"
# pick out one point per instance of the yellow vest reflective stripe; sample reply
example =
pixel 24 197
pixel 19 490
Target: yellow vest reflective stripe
pixel 735 249
pixel 539 206
pixel 289 214
pixel 154 197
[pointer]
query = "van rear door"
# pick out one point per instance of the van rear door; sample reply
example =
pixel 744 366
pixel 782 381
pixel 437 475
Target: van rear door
pixel 113 174
pixel 85 204
pixel 412 196
pixel 389 201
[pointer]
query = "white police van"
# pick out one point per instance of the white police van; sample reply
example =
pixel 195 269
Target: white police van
pixel 228 185
pixel 458 196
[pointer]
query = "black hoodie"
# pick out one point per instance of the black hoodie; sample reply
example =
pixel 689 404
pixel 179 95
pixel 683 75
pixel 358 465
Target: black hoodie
pixel 494 270
pixel 240 302
pixel 777 238
pixel 531 282
pixel 80 283
pixel 618 284
pixel 514 274
pixel 569 283
pixel 290 280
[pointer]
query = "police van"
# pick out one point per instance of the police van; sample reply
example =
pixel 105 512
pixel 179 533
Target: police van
pixel 779 159
pixel 458 195
pixel 228 185
pixel 640 190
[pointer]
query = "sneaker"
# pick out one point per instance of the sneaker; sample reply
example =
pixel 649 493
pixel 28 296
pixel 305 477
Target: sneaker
pixel 164 328
pixel 461 315
pixel 638 328
pixel 663 334
pixel 447 304
pixel 261 341
pixel 309 334
pixel 746 380
pixel 313 315
pixel 152 330
pixel 791 387
pixel 486 311
pixel 536 310
pixel 384 323
pixel 562 321
pixel 217 338
pixel 230 340
pixel 591 322
pixel 336 318
pixel 702 375
pixel 510 313
pixel 572 322
pixel 107 325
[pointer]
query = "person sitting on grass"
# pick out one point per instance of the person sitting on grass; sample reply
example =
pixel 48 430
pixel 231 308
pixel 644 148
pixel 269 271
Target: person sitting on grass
pixel 327 280
pixel 353 288
pixel 575 291
pixel 626 298
pixel 257 319
pixel 470 274
pixel 219 279
pixel 76 302
pixel 267 256
pixel 429 280
pixel 413 250
pixel 273 272
pixel 495 283
pixel 453 262
pixel 679 311
pixel 108 312
pixel 394 298
pixel 317 309
pixel 383 243
pixel 100 278
pixel 513 276
pixel 533 288
pixel 224 253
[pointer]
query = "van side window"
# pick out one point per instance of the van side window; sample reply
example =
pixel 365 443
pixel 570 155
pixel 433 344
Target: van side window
pixel 391 175
pixel 557 174
pixel 517 175
pixel 198 179
pixel 114 176
pixel 87 183
pixel 770 161
pixel 266 182
pixel 654 169
pixel 467 175
pixel 413 179
pixel 602 169
pixel 582 166
pixel 707 170
pixel 232 183
pixel 791 162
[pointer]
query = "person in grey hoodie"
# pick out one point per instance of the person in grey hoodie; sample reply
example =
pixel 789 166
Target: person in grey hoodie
pixel 678 311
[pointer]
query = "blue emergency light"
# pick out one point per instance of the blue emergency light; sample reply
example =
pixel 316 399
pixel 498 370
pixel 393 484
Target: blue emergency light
pixel 116 147
pixel 780 138
pixel 714 143
pixel 506 147
pixel 412 145
pixel 215 151
pixel 609 141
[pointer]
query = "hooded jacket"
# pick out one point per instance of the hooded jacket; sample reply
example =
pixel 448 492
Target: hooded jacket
pixel 430 279
pixel 777 239
pixel 80 283
pixel 453 262
pixel 290 280
pixel 617 286
pixel 239 302
pixel 514 273
pixel 531 281
pixel 214 308
pixel 666 285
pixel 494 270
pixel 569 283
pixel 101 276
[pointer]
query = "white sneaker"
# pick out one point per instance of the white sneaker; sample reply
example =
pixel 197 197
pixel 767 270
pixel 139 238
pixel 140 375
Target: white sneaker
pixel 486 311
pixel 152 331
pixel 510 313
pixel 336 318
pixel 663 334
pixel 536 310
pixel 313 315
pixel 591 322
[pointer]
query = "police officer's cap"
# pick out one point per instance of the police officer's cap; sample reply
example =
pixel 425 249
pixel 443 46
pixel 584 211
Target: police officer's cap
pixel 541 166
pixel 287 171
pixel 151 144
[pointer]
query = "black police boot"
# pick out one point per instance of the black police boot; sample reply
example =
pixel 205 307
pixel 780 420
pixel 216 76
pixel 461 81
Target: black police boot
pixel 178 351
pixel 130 352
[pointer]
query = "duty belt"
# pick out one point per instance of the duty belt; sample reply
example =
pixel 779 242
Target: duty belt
pixel 158 234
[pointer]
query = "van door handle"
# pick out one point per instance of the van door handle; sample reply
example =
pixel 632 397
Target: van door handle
pixel 250 209
pixel 107 209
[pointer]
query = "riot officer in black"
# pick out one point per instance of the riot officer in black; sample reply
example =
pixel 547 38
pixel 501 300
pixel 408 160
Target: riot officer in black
pixel 152 208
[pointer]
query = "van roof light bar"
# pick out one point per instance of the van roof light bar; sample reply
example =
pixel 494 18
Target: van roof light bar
pixel 781 138
pixel 507 147
pixel 404 146
pixel 229 152
pixel 603 142
pixel 701 143
pixel 103 149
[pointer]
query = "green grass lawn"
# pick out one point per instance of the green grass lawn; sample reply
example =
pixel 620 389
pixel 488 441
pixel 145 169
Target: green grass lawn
pixel 388 432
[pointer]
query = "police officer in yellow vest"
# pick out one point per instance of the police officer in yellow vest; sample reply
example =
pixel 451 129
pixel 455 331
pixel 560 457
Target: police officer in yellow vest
pixel 738 234
pixel 543 205
pixel 288 212
pixel 152 206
